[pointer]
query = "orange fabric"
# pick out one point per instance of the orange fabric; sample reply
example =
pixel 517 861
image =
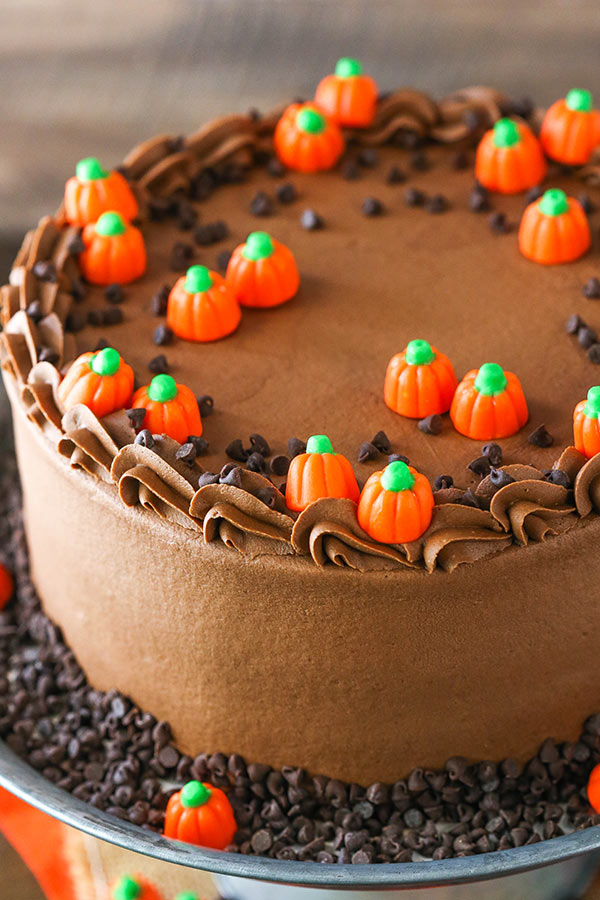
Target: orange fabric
pixel 40 841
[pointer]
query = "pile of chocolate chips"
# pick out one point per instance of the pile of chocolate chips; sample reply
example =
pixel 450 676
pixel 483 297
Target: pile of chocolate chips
pixel 106 751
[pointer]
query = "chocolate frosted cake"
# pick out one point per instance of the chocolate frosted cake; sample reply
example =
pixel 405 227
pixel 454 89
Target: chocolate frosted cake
pixel 244 586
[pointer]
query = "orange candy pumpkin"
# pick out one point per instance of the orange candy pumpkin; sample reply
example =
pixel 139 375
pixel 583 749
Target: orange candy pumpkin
pixel 554 229
pixel 348 96
pixel 593 789
pixel 306 140
pixel 7 586
pixel 586 425
pixel 509 158
pixel 571 129
pixel 200 814
pixel 101 381
pixel 134 887
pixel 114 251
pixel 170 408
pixel 93 191
pixel 262 272
pixel 319 473
pixel 420 381
pixel 202 307
pixel 489 404
pixel 396 504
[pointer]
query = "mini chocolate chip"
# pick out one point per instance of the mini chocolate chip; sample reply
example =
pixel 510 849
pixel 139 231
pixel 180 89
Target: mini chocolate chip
pixel 208 478
pixel 480 466
pixel 472 119
pixel 395 175
pixel 499 478
pixel 460 161
pixel 594 354
pixel 523 107
pixel 275 167
pixel 478 199
pixel 186 215
pixel 469 499
pixel 419 161
pixel 498 223
pixel 45 270
pixel 261 841
pixel 235 450
pixel 541 437
pixel 493 453
pixel 158 365
pixel 260 444
pixel 573 324
pixel 114 293
pixel 223 259
pixel 557 476
pixel 136 416
pixel 145 439
pixel 398 457
pixel 34 310
pixel 350 170
pixel 261 204
pixel 181 256
pixel 296 447
pixel 76 245
pixel 587 336
pixel 200 443
pixel 371 206
pixel 256 462
pixel 286 192
pixel 586 203
pixel 436 204
pixel 75 321
pixel 162 335
pixel 160 208
pixel 48 355
pixel 158 303
pixel 280 464
pixel 431 424
pixel 367 451
pixel 233 476
pixel 414 197
pixel 186 452
pixel 382 442
pixel 112 316
pixel 591 289
pixel 101 343
pixel 533 194
pixel 268 495
pixel 367 157
pixel 205 405
pixel 443 482
pixel 311 220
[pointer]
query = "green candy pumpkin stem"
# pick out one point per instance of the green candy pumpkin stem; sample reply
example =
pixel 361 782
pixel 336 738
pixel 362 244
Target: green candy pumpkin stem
pixel 490 379
pixel 259 245
pixel 195 794
pixel 397 477
pixel 579 100
pixel 197 280
pixel 554 202
pixel 110 224
pixel 89 169
pixel 186 895
pixel 346 67
pixel 592 407
pixel 127 888
pixel 319 443
pixel 105 362
pixel 419 353
pixel 506 133
pixel 310 120
pixel 162 389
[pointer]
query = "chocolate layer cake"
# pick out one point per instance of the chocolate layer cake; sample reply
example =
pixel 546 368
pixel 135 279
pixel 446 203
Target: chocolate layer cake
pixel 175 569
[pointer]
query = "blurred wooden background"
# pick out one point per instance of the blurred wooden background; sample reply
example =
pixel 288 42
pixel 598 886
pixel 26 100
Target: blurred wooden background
pixel 95 77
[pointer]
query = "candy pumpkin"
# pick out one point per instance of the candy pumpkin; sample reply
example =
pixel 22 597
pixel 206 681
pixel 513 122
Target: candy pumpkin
pixel 509 158
pixel 593 789
pixel 586 426
pixel 170 408
pixel 396 504
pixel 262 272
pixel 306 140
pixel 571 129
pixel 420 381
pixel 134 887
pixel 200 814
pixel 202 307
pixel 348 96
pixel 6 586
pixel 554 229
pixel 114 253
pixel 93 191
pixel 101 381
pixel 319 473
pixel 489 404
